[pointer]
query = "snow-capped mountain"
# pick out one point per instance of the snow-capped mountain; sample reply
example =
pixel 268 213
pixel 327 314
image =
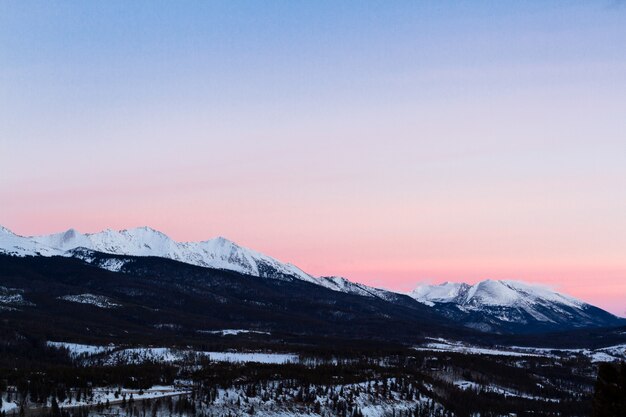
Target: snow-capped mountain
pixel 492 293
pixel 488 305
pixel 217 253
pixel 491 305
pixel 343 285
pixel 13 244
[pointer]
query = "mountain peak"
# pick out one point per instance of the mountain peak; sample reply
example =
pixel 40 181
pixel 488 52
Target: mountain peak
pixel 504 304
pixel 143 230
pixel 70 233
pixel 221 240
pixel 489 292
pixel 6 231
pixel 218 252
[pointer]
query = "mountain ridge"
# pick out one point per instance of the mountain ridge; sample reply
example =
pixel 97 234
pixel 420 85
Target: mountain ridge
pixel 492 304
pixel 489 305
pixel 219 253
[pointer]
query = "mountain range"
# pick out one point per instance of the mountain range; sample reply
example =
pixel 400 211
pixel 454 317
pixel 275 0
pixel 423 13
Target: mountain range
pixel 492 305
pixel 488 306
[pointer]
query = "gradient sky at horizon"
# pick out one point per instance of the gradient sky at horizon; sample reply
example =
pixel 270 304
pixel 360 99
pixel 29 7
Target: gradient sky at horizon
pixel 389 142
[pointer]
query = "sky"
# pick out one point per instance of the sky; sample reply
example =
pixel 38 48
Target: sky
pixel 390 142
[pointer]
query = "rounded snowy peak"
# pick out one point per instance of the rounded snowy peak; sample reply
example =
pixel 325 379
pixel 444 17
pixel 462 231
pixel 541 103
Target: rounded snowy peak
pixel 492 293
pixel 139 241
pixel 495 293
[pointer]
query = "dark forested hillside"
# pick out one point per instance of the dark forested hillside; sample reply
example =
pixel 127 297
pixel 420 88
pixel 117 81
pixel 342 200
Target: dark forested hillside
pixel 154 299
pixel 355 354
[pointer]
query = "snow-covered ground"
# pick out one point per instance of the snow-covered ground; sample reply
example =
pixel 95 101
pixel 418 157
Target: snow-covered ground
pixel 507 392
pixel 103 395
pixel 77 349
pixel 442 345
pixel 231 332
pixel 110 355
pixel 8 407
pixel 140 355
pixel 11 298
pixel 364 396
pixel 606 354
pixel 95 300
pixel 112 395
pixel 274 358
pixel 371 398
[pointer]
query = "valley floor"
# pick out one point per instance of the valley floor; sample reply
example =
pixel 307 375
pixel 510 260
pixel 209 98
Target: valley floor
pixel 439 378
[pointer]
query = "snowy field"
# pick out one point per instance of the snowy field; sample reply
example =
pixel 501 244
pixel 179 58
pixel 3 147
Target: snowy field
pixel 92 299
pixel 112 394
pixel 507 392
pixel 458 347
pixel 77 350
pixel 607 354
pixel 111 355
pixel 8 407
pixel 232 332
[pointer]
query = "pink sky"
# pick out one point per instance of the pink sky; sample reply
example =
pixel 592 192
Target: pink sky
pixel 391 144
pixel 530 233
pixel 389 214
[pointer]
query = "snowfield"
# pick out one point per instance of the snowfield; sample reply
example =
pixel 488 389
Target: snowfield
pixel 507 392
pixel 11 298
pixel 112 355
pixel 614 353
pixel 102 395
pixel 459 347
pixel 606 354
pixel 77 349
pixel 273 358
pixel 8 407
pixel 231 332
pixel 95 300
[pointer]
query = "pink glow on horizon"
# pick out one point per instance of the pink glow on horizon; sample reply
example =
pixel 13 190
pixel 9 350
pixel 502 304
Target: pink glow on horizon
pixel 402 274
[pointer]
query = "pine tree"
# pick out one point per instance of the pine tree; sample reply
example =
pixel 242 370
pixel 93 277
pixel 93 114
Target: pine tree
pixel 610 392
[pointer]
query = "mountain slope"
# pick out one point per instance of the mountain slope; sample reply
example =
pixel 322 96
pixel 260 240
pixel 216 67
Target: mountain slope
pixel 149 299
pixel 219 253
pixel 511 306
pixel 490 306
